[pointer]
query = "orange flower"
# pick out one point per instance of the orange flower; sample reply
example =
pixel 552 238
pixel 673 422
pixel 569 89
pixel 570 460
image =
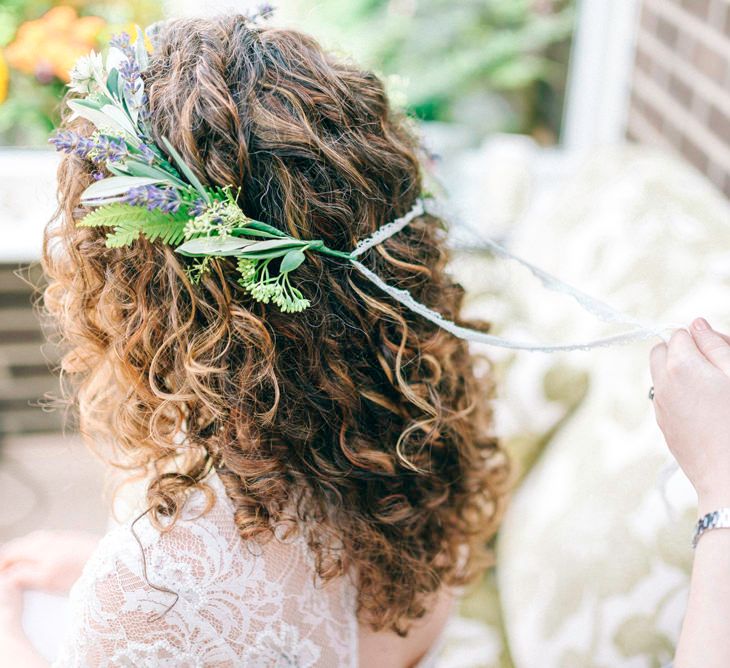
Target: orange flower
pixel 49 46
pixel 87 29
pixel 61 17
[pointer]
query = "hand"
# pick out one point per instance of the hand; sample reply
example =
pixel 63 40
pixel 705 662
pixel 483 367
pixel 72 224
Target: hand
pixel 15 648
pixel 46 560
pixel 692 402
pixel 11 606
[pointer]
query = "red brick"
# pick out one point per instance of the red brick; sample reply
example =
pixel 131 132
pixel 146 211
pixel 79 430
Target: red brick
pixel 653 116
pixel 718 14
pixel 667 32
pixel 680 91
pixel 700 8
pixel 710 63
pixel 671 133
pixel 642 60
pixel 658 71
pixel 719 122
pixel 648 18
pixel 685 46
pixel 694 155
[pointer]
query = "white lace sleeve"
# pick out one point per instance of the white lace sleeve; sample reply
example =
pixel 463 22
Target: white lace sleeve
pixel 235 603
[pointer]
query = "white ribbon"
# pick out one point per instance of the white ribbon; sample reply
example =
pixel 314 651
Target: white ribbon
pixel 389 229
pixel 639 331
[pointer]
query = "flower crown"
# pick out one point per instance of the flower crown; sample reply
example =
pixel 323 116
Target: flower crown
pixel 142 189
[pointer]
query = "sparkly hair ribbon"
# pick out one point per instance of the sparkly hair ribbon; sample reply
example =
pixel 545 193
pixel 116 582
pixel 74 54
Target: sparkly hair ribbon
pixel 141 189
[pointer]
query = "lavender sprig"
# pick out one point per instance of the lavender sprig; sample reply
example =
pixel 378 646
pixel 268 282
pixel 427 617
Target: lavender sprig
pixel 197 208
pixel 147 154
pixel 107 149
pixel 143 117
pixel 263 12
pixel 153 197
pixel 123 42
pixel 72 142
pixel 130 72
pixel 98 148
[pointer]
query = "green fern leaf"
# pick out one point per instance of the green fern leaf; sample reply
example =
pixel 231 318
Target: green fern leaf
pixel 111 215
pixel 130 221
pixel 168 229
pixel 121 237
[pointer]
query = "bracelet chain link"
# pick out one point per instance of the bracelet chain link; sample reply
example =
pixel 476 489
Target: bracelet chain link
pixel 717 519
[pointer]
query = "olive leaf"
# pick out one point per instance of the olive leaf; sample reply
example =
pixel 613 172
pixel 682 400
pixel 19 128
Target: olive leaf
pixel 189 174
pixel 264 227
pixel 292 260
pixel 112 82
pixel 222 246
pixel 104 117
pixel 138 168
pixel 140 48
pixel 115 185
pixel 274 244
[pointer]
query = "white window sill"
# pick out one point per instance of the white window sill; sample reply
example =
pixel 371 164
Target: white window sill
pixel 27 201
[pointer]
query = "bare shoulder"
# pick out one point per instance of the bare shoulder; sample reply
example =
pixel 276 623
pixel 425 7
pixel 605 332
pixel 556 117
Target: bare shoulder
pixel 389 650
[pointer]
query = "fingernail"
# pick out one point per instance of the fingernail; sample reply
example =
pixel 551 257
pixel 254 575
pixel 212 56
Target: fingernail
pixel 701 324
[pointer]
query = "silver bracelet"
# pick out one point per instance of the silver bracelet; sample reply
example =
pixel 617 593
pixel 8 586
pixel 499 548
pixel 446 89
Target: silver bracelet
pixel 717 519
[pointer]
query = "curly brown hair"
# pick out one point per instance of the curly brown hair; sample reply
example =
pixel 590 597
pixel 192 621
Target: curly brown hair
pixel 356 419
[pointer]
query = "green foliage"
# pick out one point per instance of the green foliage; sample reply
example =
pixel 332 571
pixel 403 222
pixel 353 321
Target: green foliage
pixel 187 171
pixel 130 221
pixel 453 56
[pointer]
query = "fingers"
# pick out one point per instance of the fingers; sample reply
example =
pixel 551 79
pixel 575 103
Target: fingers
pixel 712 344
pixel 20 549
pixel 658 364
pixel 24 576
pixel 683 355
pixel 671 361
pixel 681 346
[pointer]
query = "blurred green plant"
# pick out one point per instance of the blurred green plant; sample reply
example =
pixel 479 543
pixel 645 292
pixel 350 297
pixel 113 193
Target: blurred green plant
pixel 492 64
pixel 39 42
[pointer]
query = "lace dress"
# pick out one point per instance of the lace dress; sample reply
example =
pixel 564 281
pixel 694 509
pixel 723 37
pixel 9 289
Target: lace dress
pixel 235 604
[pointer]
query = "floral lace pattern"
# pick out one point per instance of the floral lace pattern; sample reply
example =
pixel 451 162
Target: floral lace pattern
pixel 235 603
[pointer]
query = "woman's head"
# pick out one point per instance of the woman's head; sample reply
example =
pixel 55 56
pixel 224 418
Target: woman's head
pixel 356 420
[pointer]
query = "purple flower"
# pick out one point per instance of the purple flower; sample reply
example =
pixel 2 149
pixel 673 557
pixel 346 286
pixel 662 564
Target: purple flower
pixel 144 112
pixel 98 149
pixel 108 149
pixel 153 197
pixel 97 175
pixel 197 208
pixel 71 142
pixel 264 10
pixel 148 155
pixel 130 73
pixel 123 42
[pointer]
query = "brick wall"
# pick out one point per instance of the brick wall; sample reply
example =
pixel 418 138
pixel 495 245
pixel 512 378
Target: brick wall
pixel 680 91
pixel 26 380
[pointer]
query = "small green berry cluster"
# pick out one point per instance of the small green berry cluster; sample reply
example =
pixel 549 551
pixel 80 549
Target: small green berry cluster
pixel 263 287
pixel 198 269
pixel 222 216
